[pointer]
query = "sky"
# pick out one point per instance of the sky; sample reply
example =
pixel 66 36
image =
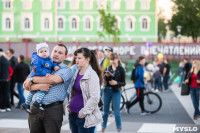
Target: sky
pixel 166 5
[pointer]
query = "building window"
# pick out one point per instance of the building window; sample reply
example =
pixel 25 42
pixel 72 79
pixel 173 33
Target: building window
pixel 46 4
pixel 8 25
pixel 102 4
pixel 145 4
pixel 130 23
pixel 46 23
pixel 99 26
pixel 8 4
pixel 74 24
pixel 116 4
pixel 7 21
pixel 145 23
pixel 74 4
pixel 118 21
pixel 27 4
pixel 60 23
pixel 88 4
pixel 27 23
pixel 87 24
pixel 130 4
pixel 61 4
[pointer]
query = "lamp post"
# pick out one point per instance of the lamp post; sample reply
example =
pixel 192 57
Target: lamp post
pixel 179 37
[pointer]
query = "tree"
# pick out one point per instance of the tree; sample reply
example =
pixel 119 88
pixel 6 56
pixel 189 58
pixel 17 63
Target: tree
pixel 109 25
pixel 187 15
pixel 161 26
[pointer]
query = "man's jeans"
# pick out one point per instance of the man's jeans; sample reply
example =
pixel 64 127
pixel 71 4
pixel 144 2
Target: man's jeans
pixel 115 97
pixel 194 93
pixel 165 81
pixel 77 124
pixel 21 93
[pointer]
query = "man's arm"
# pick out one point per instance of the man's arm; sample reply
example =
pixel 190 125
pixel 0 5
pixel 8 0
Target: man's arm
pixel 41 87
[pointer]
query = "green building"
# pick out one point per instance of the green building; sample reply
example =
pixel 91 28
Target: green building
pixel 75 20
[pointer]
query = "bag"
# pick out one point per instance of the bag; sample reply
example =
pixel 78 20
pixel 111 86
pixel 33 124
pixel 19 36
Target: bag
pixel 185 89
pixel 100 104
pixel 133 75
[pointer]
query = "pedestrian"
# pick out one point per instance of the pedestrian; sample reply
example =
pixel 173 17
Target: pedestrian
pixel 115 79
pixel 21 72
pixel 50 119
pixel 161 66
pixel 166 75
pixel 106 61
pixel 187 67
pixel 5 70
pixel 157 80
pixel 13 62
pixel 84 113
pixel 42 66
pixel 193 80
pixel 139 85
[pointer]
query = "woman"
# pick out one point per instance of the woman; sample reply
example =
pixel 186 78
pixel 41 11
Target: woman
pixel 115 79
pixel 193 80
pixel 84 113
pixel 139 85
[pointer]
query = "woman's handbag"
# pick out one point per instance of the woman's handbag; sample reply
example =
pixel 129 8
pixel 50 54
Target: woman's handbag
pixel 100 104
pixel 185 89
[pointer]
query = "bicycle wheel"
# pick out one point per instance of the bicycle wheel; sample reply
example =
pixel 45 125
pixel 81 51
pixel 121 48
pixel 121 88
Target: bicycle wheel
pixel 152 102
pixel 122 103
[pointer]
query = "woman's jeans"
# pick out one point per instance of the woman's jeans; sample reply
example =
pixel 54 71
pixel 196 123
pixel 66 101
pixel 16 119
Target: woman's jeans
pixel 194 93
pixel 21 93
pixel 115 97
pixel 77 124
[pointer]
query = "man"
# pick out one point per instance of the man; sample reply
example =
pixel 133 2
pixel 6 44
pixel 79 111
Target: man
pixel 100 57
pixel 4 84
pixel 166 75
pixel 187 67
pixel 106 61
pixel 161 67
pixel 50 119
pixel 13 63
pixel 21 72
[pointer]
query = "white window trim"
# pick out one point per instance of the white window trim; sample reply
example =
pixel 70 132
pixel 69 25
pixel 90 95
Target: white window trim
pixel 101 4
pixel 64 20
pixel 148 6
pixel 50 17
pixel 85 5
pixel 63 6
pixel 11 17
pixel 126 21
pixel 30 17
pixel 118 21
pixel 4 5
pixel 98 19
pixel 72 6
pixel 128 4
pixel 25 8
pixel 112 3
pixel 148 23
pixel 45 7
pixel 84 22
pixel 70 22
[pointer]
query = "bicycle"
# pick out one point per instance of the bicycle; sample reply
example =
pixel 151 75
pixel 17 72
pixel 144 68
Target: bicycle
pixel 152 101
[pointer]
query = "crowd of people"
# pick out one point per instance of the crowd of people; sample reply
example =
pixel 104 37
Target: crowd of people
pixel 92 76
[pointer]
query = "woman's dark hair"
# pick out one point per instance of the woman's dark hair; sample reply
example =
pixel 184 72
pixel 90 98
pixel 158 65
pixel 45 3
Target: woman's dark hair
pixel 140 58
pixel 73 61
pixel 115 56
pixel 93 61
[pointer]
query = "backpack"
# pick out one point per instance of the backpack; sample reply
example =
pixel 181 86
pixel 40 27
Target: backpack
pixel 133 75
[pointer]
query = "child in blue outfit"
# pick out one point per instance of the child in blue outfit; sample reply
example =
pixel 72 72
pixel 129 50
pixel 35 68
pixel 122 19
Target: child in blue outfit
pixel 42 66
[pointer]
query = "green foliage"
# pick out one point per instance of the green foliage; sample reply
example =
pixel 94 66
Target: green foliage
pixel 109 25
pixel 187 15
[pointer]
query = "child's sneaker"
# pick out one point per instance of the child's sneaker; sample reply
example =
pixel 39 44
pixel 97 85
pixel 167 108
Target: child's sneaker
pixel 38 105
pixel 26 107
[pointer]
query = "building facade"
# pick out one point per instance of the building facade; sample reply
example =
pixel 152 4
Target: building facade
pixel 75 20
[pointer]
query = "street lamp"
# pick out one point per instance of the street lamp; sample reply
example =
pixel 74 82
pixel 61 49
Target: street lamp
pixel 179 37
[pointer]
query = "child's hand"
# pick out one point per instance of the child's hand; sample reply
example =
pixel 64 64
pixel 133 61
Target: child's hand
pixel 56 68
pixel 47 75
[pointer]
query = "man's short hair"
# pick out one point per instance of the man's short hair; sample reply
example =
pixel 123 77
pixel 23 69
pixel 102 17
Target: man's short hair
pixel 186 59
pixel 1 50
pixel 11 51
pixel 62 45
pixel 21 57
